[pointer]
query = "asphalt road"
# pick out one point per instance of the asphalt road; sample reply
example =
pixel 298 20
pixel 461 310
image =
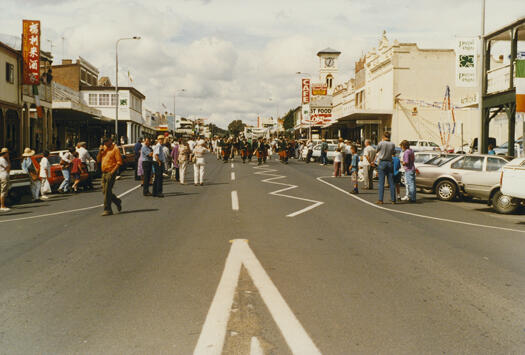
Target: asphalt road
pixel 235 265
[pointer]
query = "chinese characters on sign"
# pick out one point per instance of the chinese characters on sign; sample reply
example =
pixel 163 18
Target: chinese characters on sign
pixel 305 91
pixel 466 62
pixel 31 51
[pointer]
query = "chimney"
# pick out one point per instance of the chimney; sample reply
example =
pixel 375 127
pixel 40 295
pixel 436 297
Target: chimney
pixel 67 61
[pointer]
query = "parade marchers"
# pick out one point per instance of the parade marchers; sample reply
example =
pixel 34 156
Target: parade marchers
pixel 169 158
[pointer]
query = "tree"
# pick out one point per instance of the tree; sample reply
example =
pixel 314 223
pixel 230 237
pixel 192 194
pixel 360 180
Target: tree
pixel 236 127
pixel 216 131
pixel 288 120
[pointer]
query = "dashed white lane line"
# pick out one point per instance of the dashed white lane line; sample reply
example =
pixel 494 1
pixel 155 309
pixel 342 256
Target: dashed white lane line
pixel 68 211
pixel 267 172
pixel 255 347
pixel 212 337
pixel 416 214
pixel 233 166
pixel 235 201
pixel 233 175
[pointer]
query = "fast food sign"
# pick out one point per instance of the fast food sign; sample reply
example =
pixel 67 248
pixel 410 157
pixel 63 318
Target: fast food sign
pixel 31 51
pixel 305 91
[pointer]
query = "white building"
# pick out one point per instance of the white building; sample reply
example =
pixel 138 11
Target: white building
pixel 130 117
pixel 401 88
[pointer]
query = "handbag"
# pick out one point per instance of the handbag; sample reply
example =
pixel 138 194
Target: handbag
pixel 46 187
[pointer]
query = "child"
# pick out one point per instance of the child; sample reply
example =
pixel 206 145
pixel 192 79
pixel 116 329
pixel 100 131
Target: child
pixel 76 170
pixel 337 162
pixel 397 173
pixel 354 169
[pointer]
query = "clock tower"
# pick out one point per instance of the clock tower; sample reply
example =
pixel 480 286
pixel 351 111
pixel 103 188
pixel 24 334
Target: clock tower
pixel 328 67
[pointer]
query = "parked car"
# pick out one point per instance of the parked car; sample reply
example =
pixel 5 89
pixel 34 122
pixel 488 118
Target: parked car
pixel 486 186
pixel 20 184
pixel 419 145
pixel 127 151
pixel 424 156
pixel 56 177
pixel 445 179
pixel 316 155
pixel 503 149
pixel 513 180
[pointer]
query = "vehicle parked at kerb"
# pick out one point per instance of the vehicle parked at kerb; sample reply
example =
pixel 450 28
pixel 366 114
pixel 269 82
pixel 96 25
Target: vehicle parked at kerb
pixel 127 151
pixel 19 185
pixel 56 177
pixel 445 179
pixel 486 186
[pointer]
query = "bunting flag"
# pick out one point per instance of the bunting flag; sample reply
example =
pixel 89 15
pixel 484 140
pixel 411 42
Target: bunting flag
pixel 520 86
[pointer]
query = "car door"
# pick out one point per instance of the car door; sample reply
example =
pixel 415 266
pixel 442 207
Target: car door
pixel 481 184
pixel 466 165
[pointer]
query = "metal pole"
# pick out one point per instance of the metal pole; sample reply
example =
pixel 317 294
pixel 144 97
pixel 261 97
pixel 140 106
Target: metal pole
pixel 116 92
pixel 481 78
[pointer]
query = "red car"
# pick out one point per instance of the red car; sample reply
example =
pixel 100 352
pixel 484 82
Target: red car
pixel 56 177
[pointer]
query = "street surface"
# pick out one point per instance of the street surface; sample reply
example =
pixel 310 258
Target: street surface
pixel 277 259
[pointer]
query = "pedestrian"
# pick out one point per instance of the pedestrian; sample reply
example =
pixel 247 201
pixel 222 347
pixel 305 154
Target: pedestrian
pixel 369 156
pixel 199 164
pixel 410 171
pixel 491 150
pixel 354 169
pixel 110 159
pixel 5 167
pixel 65 163
pixel 310 151
pixel 29 168
pixel 347 156
pixel 76 169
pixel 146 154
pixel 338 157
pixel 175 173
pixel 167 155
pixel 140 170
pixel 159 160
pixel 385 151
pixel 85 159
pixel 184 158
pixel 137 149
pixel 324 152
pixel 45 173
pixel 396 164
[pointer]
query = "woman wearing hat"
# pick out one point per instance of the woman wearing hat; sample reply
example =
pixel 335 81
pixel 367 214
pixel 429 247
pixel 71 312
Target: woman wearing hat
pixel 198 167
pixel 5 166
pixel 29 168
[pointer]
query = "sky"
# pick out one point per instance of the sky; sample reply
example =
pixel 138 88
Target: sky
pixel 238 59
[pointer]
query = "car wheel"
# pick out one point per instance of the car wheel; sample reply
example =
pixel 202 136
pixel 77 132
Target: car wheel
pixel 446 190
pixel 503 203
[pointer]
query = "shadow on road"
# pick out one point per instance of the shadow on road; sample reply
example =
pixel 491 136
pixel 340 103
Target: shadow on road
pixel 9 214
pixel 139 211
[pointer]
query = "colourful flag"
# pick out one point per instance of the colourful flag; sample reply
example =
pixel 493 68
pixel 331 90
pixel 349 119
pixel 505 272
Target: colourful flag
pixel 520 86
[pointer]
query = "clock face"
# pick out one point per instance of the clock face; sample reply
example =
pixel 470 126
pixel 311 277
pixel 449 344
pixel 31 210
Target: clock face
pixel 329 62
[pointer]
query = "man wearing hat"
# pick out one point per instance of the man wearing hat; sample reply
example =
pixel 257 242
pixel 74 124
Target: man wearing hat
pixel 159 159
pixel 111 161
pixel 5 167
pixel 29 168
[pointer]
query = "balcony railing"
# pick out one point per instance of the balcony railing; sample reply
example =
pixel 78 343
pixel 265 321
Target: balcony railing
pixel 498 79
pixel 45 92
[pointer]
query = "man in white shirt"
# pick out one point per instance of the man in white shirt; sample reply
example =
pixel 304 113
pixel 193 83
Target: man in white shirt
pixel 5 167
pixel 86 160
pixel 159 159
pixel 310 151
pixel 192 144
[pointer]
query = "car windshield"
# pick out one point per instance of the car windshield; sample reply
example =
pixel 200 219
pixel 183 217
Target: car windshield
pixel 423 158
pixel 440 160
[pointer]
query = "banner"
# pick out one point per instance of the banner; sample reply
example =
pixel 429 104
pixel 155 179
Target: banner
pixel 31 52
pixel 466 62
pixel 520 86
pixel 319 89
pixel 305 91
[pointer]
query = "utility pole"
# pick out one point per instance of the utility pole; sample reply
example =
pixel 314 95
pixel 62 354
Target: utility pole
pixel 481 80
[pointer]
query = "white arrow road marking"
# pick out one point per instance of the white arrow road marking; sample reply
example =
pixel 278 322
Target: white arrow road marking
pixel 267 172
pixel 255 347
pixel 212 337
pixel 415 214
pixel 235 201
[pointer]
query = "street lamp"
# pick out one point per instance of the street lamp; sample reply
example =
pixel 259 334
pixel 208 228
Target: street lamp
pixel 308 75
pixel 116 83
pixel 174 99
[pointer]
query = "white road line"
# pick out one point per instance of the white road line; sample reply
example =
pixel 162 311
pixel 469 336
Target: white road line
pixel 255 347
pixel 233 175
pixel 233 166
pixel 288 187
pixel 212 337
pixel 416 214
pixel 68 211
pixel 235 201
